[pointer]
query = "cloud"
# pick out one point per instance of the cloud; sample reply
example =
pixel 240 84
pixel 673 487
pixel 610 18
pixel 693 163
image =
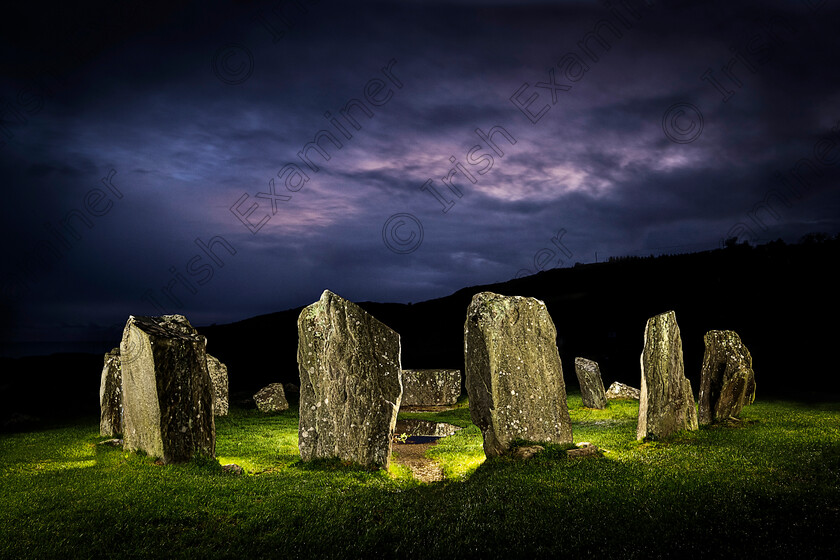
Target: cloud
pixel 149 99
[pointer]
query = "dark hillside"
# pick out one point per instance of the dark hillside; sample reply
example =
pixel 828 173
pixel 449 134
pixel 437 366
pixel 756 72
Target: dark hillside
pixel 781 299
pixel 777 297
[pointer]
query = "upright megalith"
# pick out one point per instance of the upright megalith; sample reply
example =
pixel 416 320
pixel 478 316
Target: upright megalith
pixel 219 378
pixel 514 377
pixel 591 385
pixel 666 403
pixel 431 387
pixel 110 396
pixel 166 389
pixel 110 391
pixel 350 383
pixel 727 379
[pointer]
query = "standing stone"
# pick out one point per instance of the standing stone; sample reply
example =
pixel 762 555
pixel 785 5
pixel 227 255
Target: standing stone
pixel 166 389
pixel 514 377
pixel 219 378
pixel 666 404
pixel 350 383
pixel 110 396
pixel 110 391
pixel 727 380
pixel 621 391
pixel 431 387
pixel 591 386
pixel 271 398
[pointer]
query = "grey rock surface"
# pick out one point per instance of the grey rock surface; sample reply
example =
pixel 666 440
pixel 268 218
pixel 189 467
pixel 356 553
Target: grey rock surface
pixel 110 396
pixel 219 377
pixel 271 398
pixel 621 391
pixel 434 387
pixel 233 468
pixel 166 389
pixel 526 452
pixel 425 428
pixel 727 379
pixel 350 383
pixel 514 377
pixel 585 449
pixel 666 403
pixel 591 385
pixel 110 392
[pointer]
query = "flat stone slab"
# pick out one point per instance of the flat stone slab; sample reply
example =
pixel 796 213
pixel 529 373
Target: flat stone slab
pixel 525 453
pixel 350 383
pixel 585 449
pixel 425 428
pixel 426 408
pixel 233 468
pixel 431 387
pixel 514 377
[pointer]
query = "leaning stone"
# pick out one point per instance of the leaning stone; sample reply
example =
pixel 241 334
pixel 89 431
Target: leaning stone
pixel 166 389
pixel 666 405
pixel 431 387
pixel 514 377
pixel 591 386
pixel 350 383
pixel 621 391
pixel 291 389
pixel 110 396
pixel 727 379
pixel 219 376
pixel 271 398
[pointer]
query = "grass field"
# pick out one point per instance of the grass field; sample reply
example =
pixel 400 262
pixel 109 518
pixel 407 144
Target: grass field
pixel 765 487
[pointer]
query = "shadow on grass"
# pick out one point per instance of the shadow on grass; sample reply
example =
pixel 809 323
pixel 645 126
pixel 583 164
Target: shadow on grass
pixel 333 464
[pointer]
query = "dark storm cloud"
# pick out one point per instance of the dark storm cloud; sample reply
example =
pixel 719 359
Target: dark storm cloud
pixel 195 108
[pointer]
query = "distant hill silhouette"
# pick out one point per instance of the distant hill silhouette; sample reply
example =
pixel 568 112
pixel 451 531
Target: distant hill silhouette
pixel 780 298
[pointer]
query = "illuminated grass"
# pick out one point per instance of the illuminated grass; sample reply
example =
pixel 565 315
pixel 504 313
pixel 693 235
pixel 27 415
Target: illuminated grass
pixel 459 455
pixel 258 442
pixel 765 487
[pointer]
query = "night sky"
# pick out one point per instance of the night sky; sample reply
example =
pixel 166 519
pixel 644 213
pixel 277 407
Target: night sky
pixel 229 159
